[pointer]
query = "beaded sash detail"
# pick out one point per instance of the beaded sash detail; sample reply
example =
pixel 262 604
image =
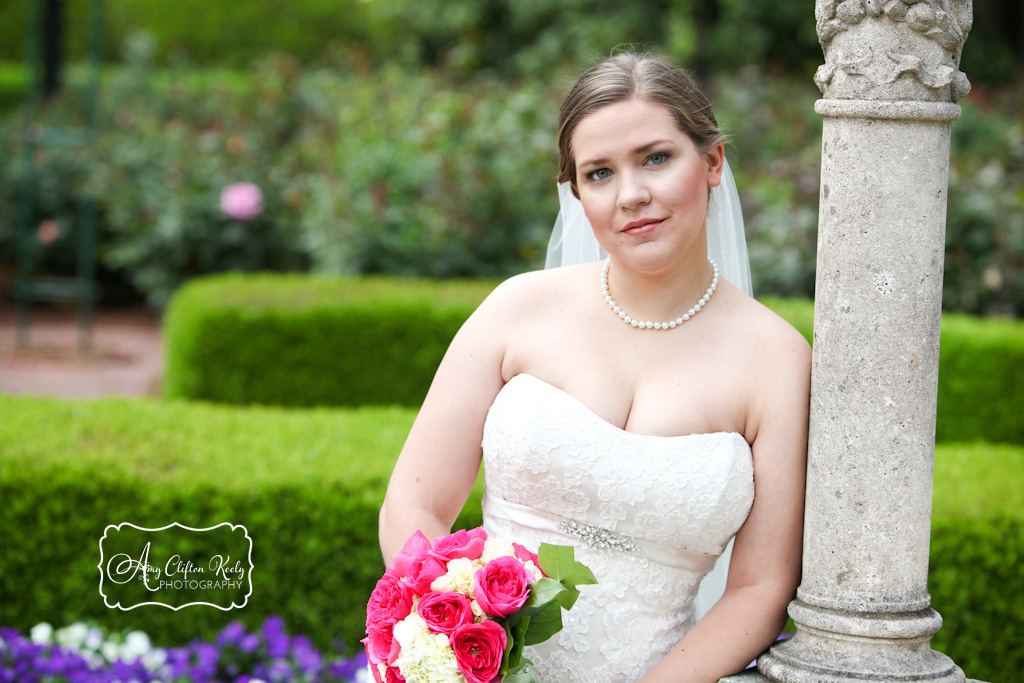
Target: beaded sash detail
pixel 597 537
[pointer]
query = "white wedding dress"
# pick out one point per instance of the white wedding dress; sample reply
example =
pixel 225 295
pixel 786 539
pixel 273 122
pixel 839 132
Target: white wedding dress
pixel 648 514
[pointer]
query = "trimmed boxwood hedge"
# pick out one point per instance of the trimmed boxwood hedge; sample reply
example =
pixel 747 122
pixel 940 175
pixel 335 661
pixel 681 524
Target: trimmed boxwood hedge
pixel 307 485
pixel 306 341
pixel 297 340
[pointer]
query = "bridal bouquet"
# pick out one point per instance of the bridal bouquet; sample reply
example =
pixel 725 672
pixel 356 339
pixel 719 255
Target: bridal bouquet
pixel 461 611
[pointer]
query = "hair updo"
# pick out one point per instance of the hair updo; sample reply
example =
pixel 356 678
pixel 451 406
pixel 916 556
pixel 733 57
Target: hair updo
pixel 625 76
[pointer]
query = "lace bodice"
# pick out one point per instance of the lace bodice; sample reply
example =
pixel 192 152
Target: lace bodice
pixel 647 514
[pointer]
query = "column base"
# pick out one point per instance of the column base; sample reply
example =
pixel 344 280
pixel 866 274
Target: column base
pixel 755 676
pixel 832 646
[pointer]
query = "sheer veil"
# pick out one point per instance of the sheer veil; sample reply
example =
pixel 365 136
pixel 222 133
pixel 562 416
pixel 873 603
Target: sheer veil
pixel 572 242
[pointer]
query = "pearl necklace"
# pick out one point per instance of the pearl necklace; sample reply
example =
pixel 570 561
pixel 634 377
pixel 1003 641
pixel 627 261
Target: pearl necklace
pixel 650 324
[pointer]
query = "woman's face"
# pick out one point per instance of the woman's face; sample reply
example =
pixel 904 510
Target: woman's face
pixel 643 184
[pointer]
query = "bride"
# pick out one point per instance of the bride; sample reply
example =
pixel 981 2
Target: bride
pixel 629 406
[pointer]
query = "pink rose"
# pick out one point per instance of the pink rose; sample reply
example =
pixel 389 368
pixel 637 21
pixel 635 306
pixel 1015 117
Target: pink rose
pixel 422 572
pixel 445 611
pixel 391 675
pixel 478 650
pixel 416 548
pixel 381 646
pixel 502 586
pixel 468 544
pixel 526 555
pixel 241 201
pixel 390 601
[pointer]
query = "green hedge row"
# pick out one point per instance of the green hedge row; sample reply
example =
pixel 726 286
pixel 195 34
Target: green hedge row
pixel 307 486
pixel 302 341
pixel 295 340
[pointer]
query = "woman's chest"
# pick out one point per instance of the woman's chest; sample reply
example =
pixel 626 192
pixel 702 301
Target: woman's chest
pixel 660 387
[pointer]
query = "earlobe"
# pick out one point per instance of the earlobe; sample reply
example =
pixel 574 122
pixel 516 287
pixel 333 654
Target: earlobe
pixel 715 159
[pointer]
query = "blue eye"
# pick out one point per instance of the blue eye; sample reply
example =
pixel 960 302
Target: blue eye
pixel 657 159
pixel 599 174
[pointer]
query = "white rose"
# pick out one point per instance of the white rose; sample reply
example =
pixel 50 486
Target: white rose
pixel 533 569
pixel 478 612
pixel 459 577
pixel 411 634
pixel 424 657
pixel 494 548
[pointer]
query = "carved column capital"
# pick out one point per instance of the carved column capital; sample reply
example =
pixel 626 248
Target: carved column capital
pixel 893 49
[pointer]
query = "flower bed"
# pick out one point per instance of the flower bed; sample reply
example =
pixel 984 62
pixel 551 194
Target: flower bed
pixel 85 653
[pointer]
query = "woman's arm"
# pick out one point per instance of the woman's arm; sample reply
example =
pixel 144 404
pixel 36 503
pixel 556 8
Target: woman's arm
pixel 440 460
pixel 765 566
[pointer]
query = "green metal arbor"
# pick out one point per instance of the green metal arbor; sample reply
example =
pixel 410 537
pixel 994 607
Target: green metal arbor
pixel 44 50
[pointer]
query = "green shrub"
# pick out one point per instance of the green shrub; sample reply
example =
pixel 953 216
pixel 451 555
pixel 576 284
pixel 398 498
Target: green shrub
pixel 301 341
pixel 278 340
pixel 376 169
pixel 976 553
pixel 307 486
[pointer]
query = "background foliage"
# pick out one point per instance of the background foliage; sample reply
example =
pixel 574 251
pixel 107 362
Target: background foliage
pixel 415 172
pixel 525 37
pixel 307 486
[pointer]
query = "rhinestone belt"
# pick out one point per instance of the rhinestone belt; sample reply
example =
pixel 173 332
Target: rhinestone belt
pixel 597 537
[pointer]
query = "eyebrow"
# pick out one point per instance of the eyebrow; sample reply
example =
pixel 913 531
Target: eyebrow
pixel 642 149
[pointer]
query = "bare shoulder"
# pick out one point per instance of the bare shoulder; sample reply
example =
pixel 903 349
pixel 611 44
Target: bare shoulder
pixel 776 364
pixel 525 297
pixel 768 336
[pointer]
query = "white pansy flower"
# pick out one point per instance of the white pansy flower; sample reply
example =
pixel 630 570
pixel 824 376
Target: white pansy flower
pixel 459 577
pixel 72 636
pixel 110 651
pixel 154 659
pixel 93 639
pixel 41 633
pixel 135 645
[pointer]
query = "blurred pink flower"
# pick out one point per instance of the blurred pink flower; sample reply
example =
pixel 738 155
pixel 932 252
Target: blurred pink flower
pixel 241 201
pixel 48 232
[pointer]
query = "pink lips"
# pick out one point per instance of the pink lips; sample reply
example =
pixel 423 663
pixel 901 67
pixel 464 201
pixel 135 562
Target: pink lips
pixel 642 227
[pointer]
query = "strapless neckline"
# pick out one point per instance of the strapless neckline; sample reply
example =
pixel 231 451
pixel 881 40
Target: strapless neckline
pixel 597 419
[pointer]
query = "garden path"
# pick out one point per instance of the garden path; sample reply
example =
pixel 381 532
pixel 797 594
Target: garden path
pixel 126 358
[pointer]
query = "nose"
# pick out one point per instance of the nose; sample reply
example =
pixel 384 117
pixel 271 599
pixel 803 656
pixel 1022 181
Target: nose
pixel 633 190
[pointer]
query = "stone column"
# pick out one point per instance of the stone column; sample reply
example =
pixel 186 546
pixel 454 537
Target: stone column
pixel 890 78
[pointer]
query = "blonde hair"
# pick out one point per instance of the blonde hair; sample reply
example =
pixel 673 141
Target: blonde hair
pixel 626 76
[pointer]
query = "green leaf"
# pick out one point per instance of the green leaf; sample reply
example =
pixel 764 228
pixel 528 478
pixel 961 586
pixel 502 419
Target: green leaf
pixel 568 598
pixel 510 644
pixel 546 623
pixel 559 563
pixel 542 592
pixel 516 641
pixel 526 674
